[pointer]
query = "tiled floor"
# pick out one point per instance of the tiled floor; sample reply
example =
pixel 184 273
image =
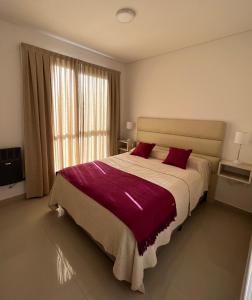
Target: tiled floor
pixel 45 257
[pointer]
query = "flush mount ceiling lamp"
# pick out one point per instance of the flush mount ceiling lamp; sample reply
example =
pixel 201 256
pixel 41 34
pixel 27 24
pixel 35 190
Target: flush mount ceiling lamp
pixel 125 15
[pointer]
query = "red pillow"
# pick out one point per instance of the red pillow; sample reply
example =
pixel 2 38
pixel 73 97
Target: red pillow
pixel 177 157
pixel 143 150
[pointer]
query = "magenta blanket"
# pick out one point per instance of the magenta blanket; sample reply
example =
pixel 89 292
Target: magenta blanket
pixel 146 208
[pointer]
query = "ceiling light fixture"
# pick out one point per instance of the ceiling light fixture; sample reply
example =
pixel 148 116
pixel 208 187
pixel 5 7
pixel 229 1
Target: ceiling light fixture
pixel 125 15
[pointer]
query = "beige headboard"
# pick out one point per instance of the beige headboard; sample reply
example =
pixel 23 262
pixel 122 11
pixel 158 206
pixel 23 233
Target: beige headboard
pixel 204 137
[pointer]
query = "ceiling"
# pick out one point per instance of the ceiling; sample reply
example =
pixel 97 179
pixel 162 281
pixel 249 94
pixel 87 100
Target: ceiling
pixel 159 27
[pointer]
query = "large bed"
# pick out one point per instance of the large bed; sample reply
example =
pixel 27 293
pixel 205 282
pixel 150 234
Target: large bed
pixel 187 186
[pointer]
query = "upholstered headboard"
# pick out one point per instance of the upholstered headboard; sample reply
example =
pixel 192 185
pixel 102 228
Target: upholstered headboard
pixel 204 137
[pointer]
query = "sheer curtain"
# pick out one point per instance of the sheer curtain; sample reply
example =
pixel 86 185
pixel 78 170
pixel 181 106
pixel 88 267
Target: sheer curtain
pixel 65 113
pixel 81 112
pixel 93 113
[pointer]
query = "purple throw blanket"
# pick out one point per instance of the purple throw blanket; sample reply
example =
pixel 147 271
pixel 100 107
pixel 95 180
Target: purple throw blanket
pixel 146 208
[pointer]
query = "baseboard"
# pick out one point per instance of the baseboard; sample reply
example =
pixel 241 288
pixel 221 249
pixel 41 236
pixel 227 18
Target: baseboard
pixel 12 199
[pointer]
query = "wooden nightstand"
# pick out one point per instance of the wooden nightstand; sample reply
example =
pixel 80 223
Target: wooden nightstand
pixel 239 172
pixel 124 146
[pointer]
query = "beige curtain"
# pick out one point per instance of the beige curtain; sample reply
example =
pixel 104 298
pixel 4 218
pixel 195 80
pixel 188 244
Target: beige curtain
pixel 38 139
pixel 71 114
pixel 86 102
pixel 114 111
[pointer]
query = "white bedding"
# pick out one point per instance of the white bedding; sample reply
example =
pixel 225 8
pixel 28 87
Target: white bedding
pixel 187 186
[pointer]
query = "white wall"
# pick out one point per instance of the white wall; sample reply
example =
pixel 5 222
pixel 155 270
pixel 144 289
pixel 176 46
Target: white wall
pixel 210 81
pixel 11 129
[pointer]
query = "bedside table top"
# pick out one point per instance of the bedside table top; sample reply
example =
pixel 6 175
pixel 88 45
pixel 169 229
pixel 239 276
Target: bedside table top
pixel 241 165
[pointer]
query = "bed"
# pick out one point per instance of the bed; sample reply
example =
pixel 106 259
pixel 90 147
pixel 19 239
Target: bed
pixel 205 138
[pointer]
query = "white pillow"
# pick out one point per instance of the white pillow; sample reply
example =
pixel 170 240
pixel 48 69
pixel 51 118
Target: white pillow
pixel 159 152
pixel 203 166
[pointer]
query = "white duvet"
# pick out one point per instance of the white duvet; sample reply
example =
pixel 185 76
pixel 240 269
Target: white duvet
pixel 187 186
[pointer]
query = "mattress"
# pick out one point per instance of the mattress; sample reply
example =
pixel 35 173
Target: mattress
pixel 187 186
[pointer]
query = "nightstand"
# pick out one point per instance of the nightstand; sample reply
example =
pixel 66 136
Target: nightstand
pixel 238 172
pixel 124 146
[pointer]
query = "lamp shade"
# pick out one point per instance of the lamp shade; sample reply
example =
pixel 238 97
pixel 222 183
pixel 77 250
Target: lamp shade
pixel 129 125
pixel 241 137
